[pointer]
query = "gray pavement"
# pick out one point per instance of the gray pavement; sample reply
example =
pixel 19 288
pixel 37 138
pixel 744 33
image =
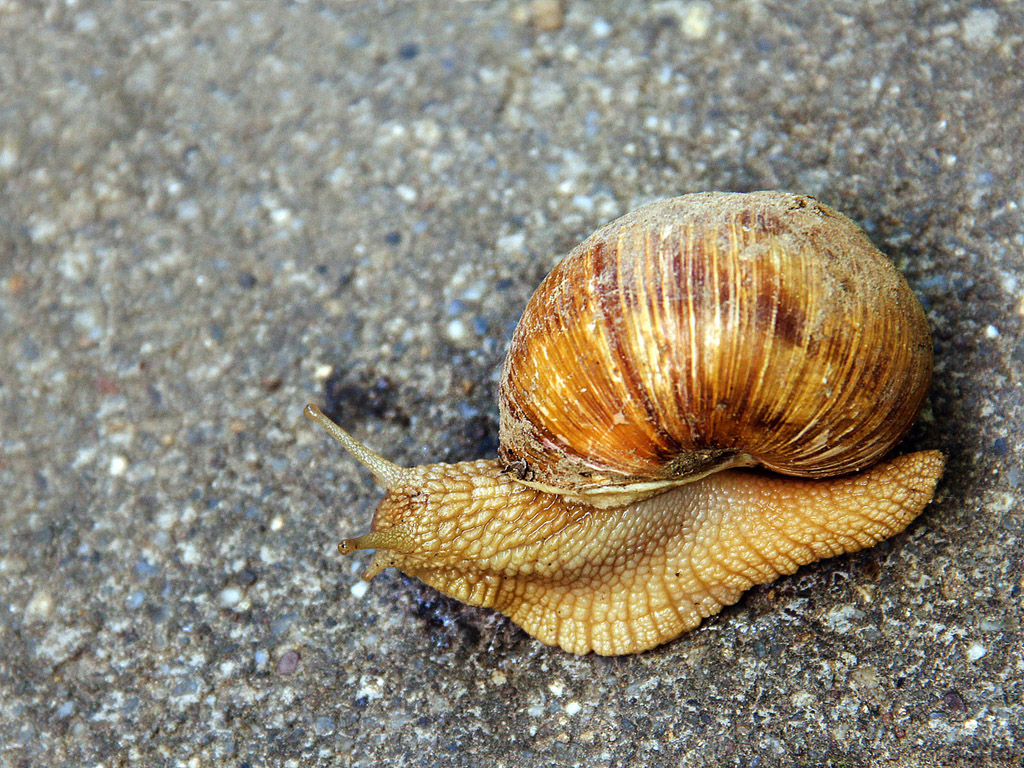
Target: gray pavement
pixel 212 213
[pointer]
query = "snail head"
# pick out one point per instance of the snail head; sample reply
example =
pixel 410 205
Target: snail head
pixel 430 514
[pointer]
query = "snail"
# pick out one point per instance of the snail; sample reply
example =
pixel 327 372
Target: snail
pixel 697 399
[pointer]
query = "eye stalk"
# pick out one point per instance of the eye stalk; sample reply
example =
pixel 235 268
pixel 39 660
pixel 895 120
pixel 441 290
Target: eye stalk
pixel 387 474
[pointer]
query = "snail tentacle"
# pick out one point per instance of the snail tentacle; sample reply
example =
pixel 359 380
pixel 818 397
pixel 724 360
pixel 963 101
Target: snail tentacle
pixel 384 472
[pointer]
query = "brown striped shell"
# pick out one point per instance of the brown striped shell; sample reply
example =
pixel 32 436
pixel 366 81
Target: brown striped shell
pixel 707 331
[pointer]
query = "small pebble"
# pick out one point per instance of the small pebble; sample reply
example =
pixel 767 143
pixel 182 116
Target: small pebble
pixel 229 596
pixel 359 588
pixel 975 651
pixel 954 702
pixel 289 663
pixel 864 677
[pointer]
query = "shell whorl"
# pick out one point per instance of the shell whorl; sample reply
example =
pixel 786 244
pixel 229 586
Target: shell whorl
pixel 713 330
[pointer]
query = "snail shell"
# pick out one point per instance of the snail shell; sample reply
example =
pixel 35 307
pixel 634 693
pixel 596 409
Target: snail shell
pixel 674 347
pixel 708 331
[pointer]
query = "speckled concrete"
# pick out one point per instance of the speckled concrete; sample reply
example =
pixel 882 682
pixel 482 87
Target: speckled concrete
pixel 212 213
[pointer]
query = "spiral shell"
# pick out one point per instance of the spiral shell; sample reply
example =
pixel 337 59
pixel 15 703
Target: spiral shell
pixel 713 330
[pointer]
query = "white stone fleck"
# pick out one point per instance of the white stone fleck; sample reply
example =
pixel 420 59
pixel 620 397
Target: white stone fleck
pixel 142 81
pixel 370 687
pixel 8 158
pixel 584 202
pixel 572 707
pixel 991 332
pixel 281 216
pixel 975 651
pixel 475 291
pixel 697 20
pixel 457 330
pixel 277 523
pixel 40 606
pixel 85 22
pixel 427 132
pixel 323 372
pixel 694 17
pixel 803 698
pixel 340 177
pixel 514 243
pixel 864 677
pixel 557 687
pixel 189 553
pixel 841 618
pixel 359 589
pixel 188 210
pixel 979 27
pixel 607 208
pixel 118 465
pixel 406 193
pixel 229 596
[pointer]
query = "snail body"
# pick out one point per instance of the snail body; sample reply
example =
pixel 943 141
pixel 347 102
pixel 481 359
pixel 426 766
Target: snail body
pixel 669 353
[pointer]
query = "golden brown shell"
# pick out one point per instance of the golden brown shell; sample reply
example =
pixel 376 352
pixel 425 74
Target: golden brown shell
pixel 713 330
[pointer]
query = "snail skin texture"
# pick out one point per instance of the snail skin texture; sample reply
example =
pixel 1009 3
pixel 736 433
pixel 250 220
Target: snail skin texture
pixel 696 400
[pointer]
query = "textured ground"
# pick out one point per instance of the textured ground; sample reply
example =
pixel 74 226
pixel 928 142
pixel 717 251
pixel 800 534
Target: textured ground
pixel 213 213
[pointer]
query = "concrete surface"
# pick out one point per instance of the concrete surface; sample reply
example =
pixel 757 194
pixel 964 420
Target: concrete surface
pixel 215 212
